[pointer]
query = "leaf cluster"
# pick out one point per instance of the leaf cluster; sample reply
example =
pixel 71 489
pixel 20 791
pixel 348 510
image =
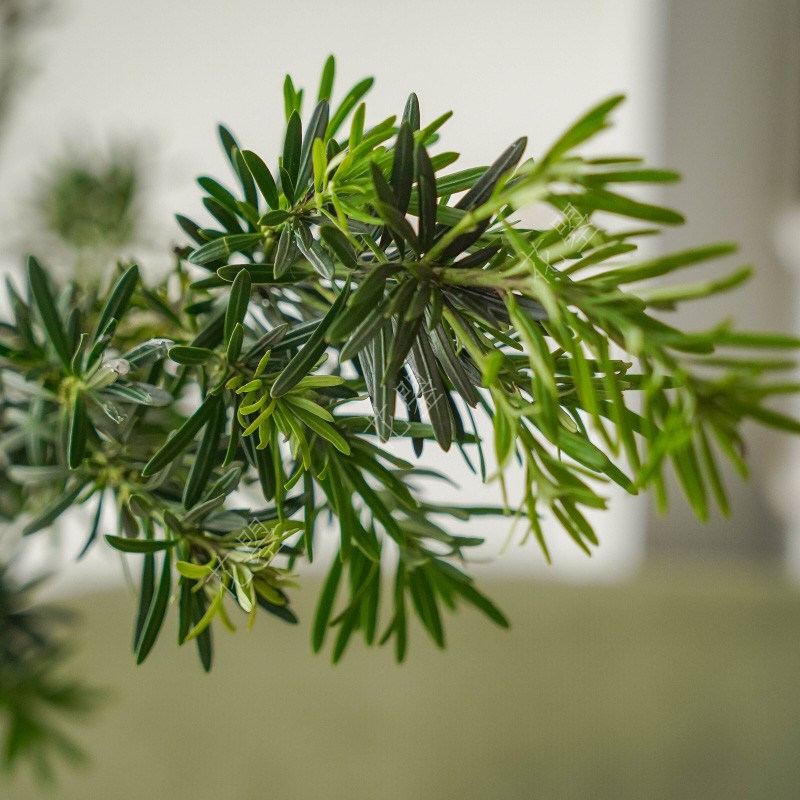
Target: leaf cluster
pixel 224 412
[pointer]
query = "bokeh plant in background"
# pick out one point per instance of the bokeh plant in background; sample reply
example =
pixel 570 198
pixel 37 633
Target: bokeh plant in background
pixel 86 209
pixel 34 697
pixel 354 295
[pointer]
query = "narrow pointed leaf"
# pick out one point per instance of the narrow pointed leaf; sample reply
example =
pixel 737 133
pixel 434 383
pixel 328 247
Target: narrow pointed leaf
pixel 246 182
pixel 77 433
pixel 225 246
pixel 118 300
pixel 182 438
pixel 411 112
pixel 54 510
pixel 312 251
pixel 340 245
pixel 433 391
pixel 206 458
pixel 238 301
pixel 292 146
pixel 228 142
pixel 309 354
pixel 125 545
pixel 156 612
pixel 316 130
pixel 190 356
pixel 146 590
pixel 484 187
pixel 587 126
pixel 325 605
pixel 426 198
pixel 263 177
pixel 403 167
pixel 284 252
pixel 481 602
pixel 40 292
pixel 350 101
pixel 326 82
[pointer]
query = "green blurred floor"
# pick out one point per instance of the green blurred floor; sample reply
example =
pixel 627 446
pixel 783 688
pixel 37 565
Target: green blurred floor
pixel 683 684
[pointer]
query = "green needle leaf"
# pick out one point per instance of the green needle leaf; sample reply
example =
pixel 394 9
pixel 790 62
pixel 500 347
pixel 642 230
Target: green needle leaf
pixel 312 251
pixel 182 438
pixel 263 178
pixel 156 612
pixel 350 101
pixel 53 511
pixel 292 146
pixel 325 605
pixel 326 82
pixel 224 247
pixel 118 300
pixel 316 130
pixel 190 356
pixel 206 458
pixel 602 200
pixel 285 252
pixel 480 601
pixel 146 590
pixel 40 292
pixel 484 187
pixel 403 167
pixel 411 112
pixel 302 364
pixel 238 301
pixel 340 245
pixel 586 127
pixel 140 545
pixel 426 198
pixel 77 432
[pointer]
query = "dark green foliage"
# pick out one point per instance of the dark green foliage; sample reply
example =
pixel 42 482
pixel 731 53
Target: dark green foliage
pixel 34 696
pixel 356 266
pixel 89 204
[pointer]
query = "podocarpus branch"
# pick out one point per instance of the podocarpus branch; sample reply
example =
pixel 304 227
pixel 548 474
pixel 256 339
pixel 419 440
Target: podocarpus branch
pixel 360 265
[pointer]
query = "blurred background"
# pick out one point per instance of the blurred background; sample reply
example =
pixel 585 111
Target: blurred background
pixel 665 666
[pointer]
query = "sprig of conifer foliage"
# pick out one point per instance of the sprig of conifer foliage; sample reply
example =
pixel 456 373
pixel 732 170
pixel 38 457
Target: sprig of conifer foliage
pixel 361 264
